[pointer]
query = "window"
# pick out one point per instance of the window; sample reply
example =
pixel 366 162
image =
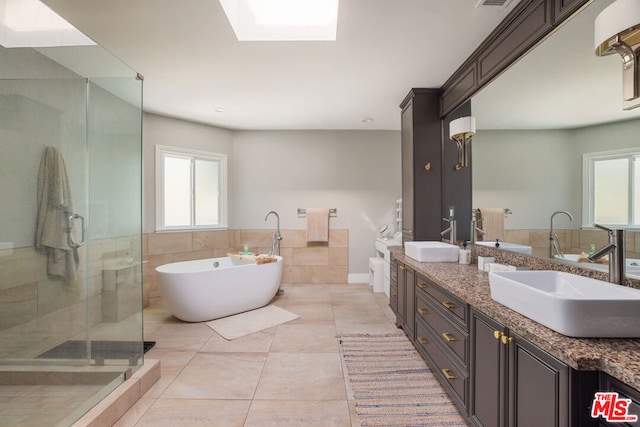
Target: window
pixel 191 189
pixel 611 188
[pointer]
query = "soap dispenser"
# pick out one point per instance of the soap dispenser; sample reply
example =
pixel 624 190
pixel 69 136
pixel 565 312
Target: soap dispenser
pixel 464 256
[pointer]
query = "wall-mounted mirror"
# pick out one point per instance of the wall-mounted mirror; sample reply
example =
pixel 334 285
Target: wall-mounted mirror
pixel 536 121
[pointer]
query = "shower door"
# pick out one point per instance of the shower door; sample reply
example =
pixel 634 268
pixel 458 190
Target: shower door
pixel 70 232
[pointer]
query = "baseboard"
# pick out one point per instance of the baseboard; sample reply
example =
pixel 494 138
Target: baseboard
pixel 358 278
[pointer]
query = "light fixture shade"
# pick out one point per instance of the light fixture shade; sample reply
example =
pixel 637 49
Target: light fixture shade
pixel 615 19
pixel 464 126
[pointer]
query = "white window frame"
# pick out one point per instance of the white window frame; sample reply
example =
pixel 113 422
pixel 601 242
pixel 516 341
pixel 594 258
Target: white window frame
pixel 161 151
pixel 588 161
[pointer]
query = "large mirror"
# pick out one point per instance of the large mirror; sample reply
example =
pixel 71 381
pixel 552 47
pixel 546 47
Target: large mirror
pixel 536 122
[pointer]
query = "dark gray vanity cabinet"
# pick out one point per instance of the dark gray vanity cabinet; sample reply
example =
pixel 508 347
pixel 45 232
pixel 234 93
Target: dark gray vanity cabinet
pixel 421 140
pixel 404 303
pixel 442 337
pixel 513 382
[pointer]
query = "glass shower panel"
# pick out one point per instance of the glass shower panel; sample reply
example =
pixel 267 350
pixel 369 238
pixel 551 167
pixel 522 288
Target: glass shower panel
pixel 70 231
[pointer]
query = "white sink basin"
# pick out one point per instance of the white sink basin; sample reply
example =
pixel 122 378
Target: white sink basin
pixel 431 251
pixel 513 247
pixel 632 266
pixel 572 305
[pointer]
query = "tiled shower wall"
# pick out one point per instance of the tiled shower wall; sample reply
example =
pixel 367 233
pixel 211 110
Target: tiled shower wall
pixel 303 262
pixel 571 241
pixel 38 312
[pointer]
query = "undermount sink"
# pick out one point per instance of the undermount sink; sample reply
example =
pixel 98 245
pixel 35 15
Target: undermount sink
pixel 431 251
pixel 572 305
pixel 513 247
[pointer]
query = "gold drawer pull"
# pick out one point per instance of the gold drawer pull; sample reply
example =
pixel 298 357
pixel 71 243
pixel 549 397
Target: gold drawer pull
pixel 422 286
pixel 394 277
pixel 448 305
pixel 506 340
pixel 497 334
pixel 402 267
pixel 422 311
pixel 447 336
pixel 447 375
pixel 423 340
pixel 394 295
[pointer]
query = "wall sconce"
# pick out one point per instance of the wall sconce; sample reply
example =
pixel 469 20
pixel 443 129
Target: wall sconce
pixel 617 30
pixel 460 131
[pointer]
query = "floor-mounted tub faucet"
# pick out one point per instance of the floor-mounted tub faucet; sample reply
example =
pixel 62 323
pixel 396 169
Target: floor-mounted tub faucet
pixel 554 243
pixel 275 240
pixel 617 251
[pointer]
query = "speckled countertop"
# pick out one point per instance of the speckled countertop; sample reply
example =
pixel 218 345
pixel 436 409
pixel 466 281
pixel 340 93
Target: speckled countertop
pixel 619 358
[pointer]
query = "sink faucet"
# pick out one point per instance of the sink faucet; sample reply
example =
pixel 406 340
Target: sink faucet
pixel 452 227
pixel 554 243
pixel 275 240
pixel 615 247
pixel 474 228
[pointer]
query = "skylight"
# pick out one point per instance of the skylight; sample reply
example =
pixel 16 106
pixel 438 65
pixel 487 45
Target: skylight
pixel 30 23
pixel 282 20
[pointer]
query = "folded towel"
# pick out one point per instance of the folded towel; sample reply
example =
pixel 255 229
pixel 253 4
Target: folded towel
pixel 492 223
pixel 318 225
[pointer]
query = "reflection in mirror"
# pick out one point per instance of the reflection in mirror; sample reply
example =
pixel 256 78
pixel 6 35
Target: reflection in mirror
pixel 535 124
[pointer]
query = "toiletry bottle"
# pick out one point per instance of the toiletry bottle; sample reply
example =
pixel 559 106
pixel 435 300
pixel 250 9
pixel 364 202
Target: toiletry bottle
pixel 464 256
pixel 592 249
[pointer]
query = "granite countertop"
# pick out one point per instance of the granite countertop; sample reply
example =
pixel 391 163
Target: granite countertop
pixel 619 358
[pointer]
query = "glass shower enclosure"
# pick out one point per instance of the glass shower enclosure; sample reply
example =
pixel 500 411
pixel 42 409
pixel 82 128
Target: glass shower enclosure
pixel 70 231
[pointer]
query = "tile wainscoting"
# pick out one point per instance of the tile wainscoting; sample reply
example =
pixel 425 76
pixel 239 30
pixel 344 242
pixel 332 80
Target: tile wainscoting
pixel 303 262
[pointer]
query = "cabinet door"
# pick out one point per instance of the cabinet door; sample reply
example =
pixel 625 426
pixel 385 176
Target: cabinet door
pixel 410 315
pixel 402 297
pixel 393 288
pixel 538 386
pixel 488 372
pixel 407 171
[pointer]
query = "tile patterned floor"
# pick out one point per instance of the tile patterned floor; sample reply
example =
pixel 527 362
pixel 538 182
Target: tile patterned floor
pixel 289 375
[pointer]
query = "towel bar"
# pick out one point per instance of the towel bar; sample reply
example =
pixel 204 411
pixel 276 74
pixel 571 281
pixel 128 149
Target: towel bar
pixel 333 212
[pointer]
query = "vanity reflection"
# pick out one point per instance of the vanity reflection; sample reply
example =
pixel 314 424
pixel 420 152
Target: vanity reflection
pixel 534 124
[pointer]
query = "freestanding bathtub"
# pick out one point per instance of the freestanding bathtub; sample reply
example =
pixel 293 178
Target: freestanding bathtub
pixel 202 290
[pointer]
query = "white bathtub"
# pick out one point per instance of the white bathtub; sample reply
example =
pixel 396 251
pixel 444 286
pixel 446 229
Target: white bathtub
pixel 197 291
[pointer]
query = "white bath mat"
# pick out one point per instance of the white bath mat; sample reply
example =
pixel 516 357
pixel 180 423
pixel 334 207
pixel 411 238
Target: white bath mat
pixel 246 323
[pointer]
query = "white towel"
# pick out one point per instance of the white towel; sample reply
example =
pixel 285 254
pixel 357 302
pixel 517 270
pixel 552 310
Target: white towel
pixel 318 225
pixel 492 223
pixel 54 208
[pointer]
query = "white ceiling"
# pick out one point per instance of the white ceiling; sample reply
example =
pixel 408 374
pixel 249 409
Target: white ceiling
pixel 192 63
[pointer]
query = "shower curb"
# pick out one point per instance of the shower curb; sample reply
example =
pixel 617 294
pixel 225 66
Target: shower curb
pixel 118 402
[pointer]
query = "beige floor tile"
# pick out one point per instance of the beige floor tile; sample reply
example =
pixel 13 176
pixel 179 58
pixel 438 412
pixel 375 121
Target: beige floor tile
pixel 181 336
pixel 346 327
pixel 258 342
pixel 301 338
pixel 312 313
pixel 302 376
pixel 171 361
pixel 218 376
pixel 198 412
pixel 159 387
pixel 279 413
pixel 133 415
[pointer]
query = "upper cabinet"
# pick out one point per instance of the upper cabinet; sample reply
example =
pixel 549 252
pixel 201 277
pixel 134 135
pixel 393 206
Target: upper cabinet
pixel 421 165
pixel 528 23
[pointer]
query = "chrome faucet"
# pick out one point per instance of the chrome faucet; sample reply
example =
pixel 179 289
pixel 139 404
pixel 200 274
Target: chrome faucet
pixel 474 227
pixel 616 249
pixel 554 243
pixel 452 227
pixel 277 237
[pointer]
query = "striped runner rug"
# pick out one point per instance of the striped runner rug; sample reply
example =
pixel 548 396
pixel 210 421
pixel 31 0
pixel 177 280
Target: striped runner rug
pixel 393 386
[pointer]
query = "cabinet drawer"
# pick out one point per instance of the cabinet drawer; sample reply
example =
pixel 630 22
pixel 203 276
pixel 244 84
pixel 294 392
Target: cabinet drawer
pixel 608 383
pixel 447 370
pixel 449 303
pixel 449 334
pixel 393 297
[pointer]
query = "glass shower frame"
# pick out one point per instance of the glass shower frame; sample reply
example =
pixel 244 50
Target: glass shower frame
pixel 63 341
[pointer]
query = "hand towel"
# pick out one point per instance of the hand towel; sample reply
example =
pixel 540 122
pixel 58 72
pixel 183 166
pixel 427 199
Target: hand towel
pixel 318 225
pixel 492 223
pixel 54 208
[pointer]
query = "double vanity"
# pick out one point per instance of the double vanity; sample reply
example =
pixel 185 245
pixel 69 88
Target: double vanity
pixel 498 361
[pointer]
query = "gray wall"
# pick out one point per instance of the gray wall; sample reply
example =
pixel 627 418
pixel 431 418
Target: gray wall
pixel 357 172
